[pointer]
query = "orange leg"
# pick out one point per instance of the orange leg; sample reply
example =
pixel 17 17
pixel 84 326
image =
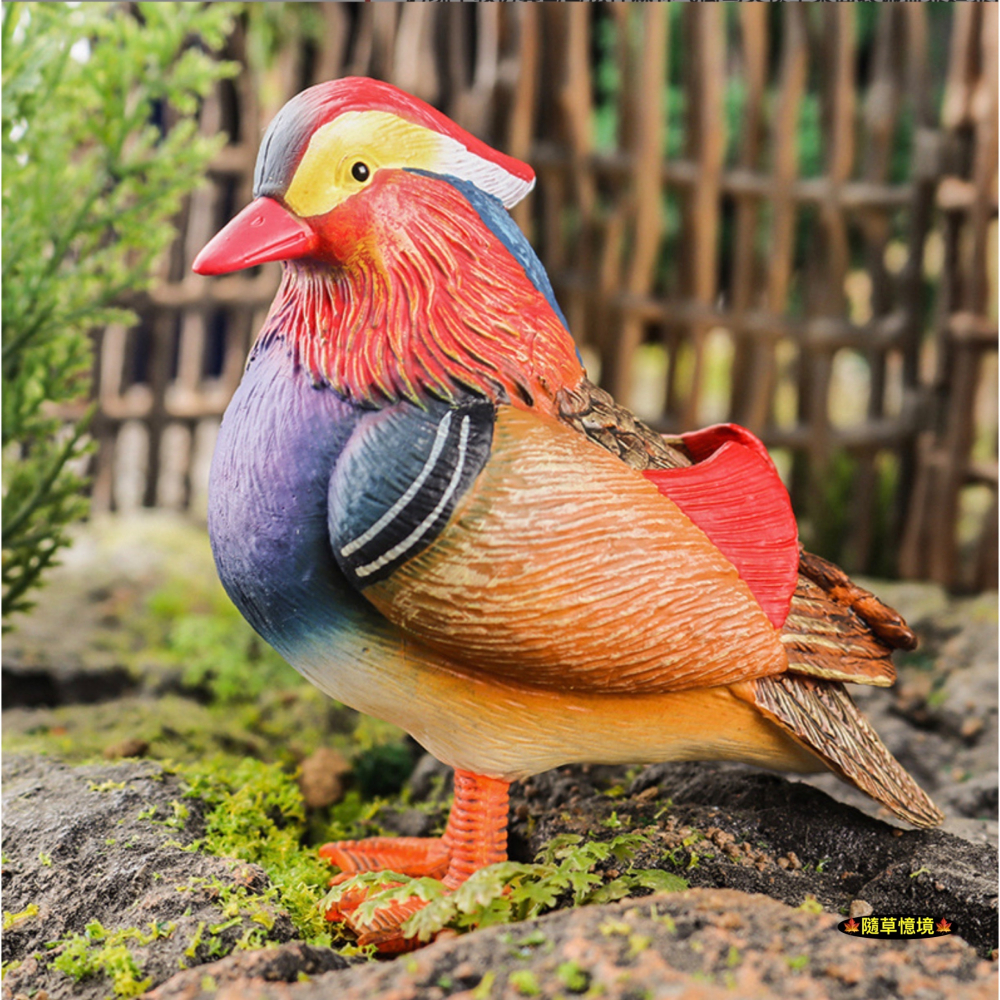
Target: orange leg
pixel 476 836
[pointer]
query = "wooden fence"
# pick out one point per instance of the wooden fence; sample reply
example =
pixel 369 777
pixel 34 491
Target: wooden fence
pixel 778 214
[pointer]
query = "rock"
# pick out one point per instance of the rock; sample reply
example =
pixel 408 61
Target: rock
pixel 132 747
pixel 322 777
pixel 860 908
pixel 975 797
pixel 707 944
pixel 65 650
pixel 246 970
pixel 98 851
pixel 430 780
pixel 844 854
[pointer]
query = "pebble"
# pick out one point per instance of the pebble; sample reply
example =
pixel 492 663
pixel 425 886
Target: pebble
pixel 131 747
pixel 322 777
pixel 860 908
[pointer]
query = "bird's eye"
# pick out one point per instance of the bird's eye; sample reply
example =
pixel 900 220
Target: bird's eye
pixel 360 172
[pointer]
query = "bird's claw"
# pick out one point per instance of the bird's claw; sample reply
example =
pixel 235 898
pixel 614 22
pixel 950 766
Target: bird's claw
pixel 475 837
pixel 413 856
pixel 385 928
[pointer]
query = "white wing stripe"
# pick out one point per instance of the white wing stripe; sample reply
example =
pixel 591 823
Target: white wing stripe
pixel 421 529
pixel 394 510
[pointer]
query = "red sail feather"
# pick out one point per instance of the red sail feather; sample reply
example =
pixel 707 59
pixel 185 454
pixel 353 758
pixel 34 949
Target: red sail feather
pixel 734 494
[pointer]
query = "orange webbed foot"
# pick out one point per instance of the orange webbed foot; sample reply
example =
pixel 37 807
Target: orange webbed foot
pixel 476 836
pixel 413 856
pixel 384 926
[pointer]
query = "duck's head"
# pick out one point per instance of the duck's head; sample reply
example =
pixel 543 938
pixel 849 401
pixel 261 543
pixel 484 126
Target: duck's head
pixel 326 154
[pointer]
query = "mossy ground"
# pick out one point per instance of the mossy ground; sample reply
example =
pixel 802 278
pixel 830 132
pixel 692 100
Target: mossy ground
pixel 226 717
pixel 220 712
pixel 231 725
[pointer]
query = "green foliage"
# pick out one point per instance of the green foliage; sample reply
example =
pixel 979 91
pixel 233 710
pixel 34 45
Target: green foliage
pixel 205 634
pixel 101 952
pixel 829 507
pixel 510 892
pixel 258 815
pixel 90 183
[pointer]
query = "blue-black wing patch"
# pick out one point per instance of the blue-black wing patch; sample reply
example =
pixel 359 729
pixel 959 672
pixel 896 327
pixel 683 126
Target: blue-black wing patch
pixel 398 481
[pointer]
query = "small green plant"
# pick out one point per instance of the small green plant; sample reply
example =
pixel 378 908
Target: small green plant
pixel 510 892
pixel 201 631
pixel 91 181
pixel 810 904
pixel 13 919
pixel 102 952
pixel 257 815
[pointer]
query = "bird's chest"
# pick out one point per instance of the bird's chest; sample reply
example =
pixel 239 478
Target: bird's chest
pixel 312 499
pixel 278 445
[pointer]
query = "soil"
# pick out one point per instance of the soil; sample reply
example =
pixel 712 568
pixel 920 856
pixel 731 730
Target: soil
pixel 773 863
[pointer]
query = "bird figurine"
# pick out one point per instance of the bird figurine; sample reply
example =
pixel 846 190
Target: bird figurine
pixel 418 498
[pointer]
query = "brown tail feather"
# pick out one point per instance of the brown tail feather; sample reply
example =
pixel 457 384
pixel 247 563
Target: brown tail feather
pixel 821 716
pixel 884 622
pixel 823 638
pixel 839 631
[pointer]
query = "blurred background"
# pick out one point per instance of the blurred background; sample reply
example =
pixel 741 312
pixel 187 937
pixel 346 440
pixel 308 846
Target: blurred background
pixel 782 215
pixel 779 215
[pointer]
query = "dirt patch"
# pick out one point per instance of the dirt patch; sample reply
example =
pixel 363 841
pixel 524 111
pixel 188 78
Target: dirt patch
pixel 95 870
pixel 703 943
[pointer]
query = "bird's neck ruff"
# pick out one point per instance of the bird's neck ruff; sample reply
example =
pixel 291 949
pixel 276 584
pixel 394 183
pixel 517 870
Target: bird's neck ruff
pixel 429 302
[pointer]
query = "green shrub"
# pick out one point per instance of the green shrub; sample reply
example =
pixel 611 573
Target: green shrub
pixel 90 184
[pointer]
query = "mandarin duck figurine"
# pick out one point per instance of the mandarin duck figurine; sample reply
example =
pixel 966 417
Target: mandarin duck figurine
pixel 421 502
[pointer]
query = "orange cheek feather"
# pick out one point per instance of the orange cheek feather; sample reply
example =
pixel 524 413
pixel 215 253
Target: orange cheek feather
pixel 431 302
pixel 345 232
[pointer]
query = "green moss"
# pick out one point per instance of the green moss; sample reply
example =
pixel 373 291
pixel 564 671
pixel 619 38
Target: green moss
pixel 611 927
pixel 254 914
pixel 14 919
pixel 257 815
pixel 102 952
pixel 525 982
pixel 191 951
pixel 638 943
pixel 573 977
pixel 564 872
pixel 106 786
pixel 664 919
pixel 485 988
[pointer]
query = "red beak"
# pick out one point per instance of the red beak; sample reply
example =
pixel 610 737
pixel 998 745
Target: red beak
pixel 263 231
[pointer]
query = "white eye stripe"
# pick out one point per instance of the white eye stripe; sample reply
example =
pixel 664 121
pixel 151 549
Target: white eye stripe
pixel 390 515
pixel 489 177
pixel 421 529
